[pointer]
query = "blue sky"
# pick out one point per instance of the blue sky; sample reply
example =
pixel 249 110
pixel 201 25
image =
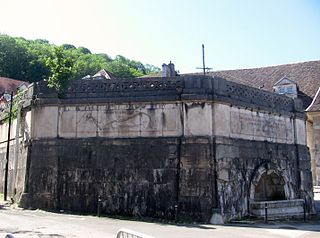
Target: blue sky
pixel 236 34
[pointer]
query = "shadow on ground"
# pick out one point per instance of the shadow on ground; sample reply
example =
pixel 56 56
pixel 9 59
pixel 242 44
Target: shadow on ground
pixel 31 233
pixel 198 226
pixel 312 224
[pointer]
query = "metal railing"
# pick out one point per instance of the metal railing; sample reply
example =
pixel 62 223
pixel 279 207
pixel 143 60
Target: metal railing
pixel 126 233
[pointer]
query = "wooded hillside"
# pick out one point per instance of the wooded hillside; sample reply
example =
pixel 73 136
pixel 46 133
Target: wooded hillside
pixel 31 60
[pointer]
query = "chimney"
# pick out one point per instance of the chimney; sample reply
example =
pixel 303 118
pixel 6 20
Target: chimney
pixel 165 71
pixel 168 70
pixel 171 68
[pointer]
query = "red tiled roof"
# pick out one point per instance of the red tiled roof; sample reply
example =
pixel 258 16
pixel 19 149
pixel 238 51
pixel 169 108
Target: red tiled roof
pixel 305 74
pixel 8 85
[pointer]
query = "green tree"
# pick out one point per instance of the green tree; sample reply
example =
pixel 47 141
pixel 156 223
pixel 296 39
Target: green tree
pixel 41 41
pixel 38 51
pixel 30 60
pixel 61 69
pixel 68 47
pixel 151 69
pixel 125 68
pixel 119 70
pixel 105 56
pixel 84 50
pixel 87 64
pixel 13 58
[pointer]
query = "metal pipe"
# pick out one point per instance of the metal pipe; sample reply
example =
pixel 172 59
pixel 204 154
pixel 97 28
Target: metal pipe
pixel 16 150
pixel 266 212
pixel 176 212
pixel 304 211
pixel 99 205
pixel 5 192
pixel 203 63
pixel 177 183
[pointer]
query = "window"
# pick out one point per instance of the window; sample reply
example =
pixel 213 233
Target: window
pixel 282 90
pixel 289 89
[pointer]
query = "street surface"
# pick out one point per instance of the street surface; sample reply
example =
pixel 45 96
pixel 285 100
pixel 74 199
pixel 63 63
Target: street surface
pixel 26 223
pixel 37 223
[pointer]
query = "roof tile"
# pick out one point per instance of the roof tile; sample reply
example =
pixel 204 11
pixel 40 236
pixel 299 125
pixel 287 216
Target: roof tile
pixel 8 85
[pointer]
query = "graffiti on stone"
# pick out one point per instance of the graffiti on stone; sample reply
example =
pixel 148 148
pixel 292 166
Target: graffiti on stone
pixel 133 122
pixel 255 125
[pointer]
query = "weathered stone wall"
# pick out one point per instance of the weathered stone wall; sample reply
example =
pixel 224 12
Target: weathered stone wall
pixel 18 152
pixel 198 118
pixel 316 127
pixel 126 120
pixel 314 144
pixel 125 173
pixel 197 184
pixel 145 146
pixel 238 166
pixel 241 123
pixel 139 177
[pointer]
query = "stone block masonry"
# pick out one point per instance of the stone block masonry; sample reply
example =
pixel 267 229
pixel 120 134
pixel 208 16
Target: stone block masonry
pixel 133 177
pixel 187 146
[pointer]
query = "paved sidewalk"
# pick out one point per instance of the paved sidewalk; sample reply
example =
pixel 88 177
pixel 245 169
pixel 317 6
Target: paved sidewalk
pixel 26 223
pixel 36 223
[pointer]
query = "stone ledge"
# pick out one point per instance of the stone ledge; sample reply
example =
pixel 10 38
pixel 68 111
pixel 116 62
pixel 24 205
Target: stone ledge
pixel 176 88
pixel 281 208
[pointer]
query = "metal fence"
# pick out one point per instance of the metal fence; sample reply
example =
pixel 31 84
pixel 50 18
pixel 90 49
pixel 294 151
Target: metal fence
pixel 126 233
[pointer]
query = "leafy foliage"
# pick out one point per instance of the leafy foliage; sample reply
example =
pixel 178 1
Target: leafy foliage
pixel 16 106
pixel 34 60
pixel 13 56
pixel 61 69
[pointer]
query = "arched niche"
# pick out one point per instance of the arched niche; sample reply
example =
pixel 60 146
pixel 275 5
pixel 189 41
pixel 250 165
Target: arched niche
pixel 269 184
pixel 270 187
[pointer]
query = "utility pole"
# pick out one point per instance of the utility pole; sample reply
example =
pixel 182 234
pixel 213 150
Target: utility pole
pixel 5 192
pixel 204 68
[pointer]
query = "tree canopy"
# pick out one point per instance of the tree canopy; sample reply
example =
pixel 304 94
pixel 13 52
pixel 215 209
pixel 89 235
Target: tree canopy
pixel 34 60
pixel 61 69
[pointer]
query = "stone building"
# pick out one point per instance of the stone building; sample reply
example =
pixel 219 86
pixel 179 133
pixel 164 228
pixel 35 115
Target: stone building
pixel 313 132
pixel 299 80
pixel 199 146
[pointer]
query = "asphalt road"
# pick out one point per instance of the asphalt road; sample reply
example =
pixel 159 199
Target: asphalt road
pixel 26 223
